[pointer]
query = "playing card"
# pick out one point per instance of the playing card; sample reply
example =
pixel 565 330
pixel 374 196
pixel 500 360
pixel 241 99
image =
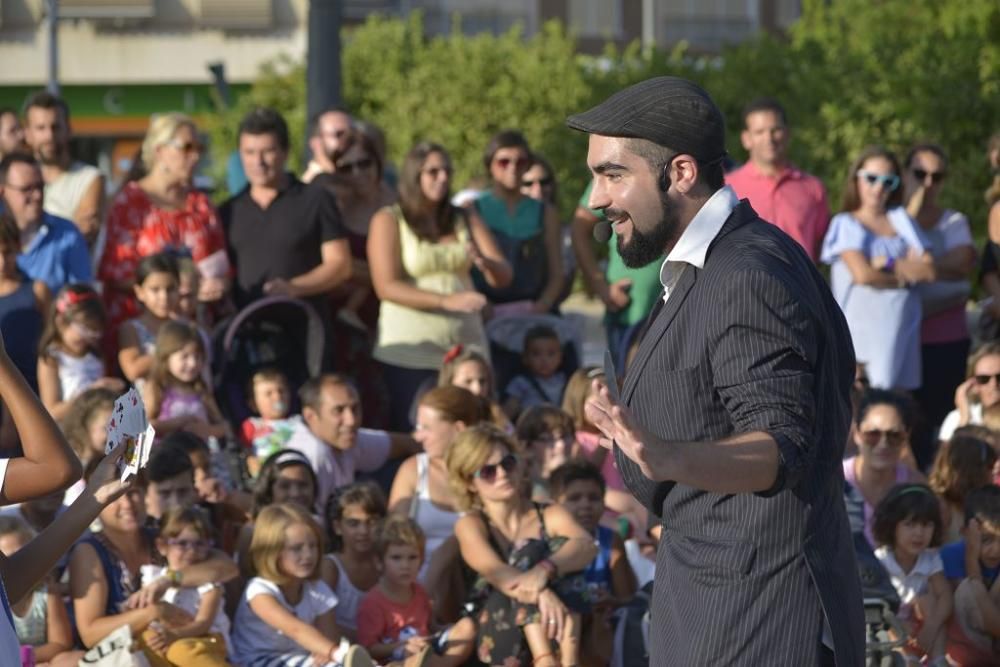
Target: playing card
pixel 611 377
pixel 128 424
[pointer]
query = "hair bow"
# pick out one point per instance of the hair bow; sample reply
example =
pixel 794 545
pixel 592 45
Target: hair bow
pixel 73 298
pixel 453 353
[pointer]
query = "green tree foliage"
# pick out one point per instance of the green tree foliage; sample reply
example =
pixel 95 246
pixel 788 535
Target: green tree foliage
pixel 850 72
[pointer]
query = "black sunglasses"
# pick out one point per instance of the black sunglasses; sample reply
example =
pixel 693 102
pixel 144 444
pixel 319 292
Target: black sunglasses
pixel 874 436
pixel 351 168
pixel 921 175
pixel 984 379
pixel 488 473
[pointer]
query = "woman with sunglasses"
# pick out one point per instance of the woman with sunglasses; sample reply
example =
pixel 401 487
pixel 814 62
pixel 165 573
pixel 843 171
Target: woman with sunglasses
pixel 865 246
pixel 979 392
pixel 160 211
pixel 527 230
pixel 944 333
pixel 420 253
pixel 523 552
pixel 882 435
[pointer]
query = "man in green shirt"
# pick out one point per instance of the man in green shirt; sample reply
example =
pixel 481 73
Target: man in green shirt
pixel 628 294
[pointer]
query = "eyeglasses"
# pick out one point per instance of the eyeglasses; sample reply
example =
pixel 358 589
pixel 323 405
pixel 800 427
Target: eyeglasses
pixel 26 189
pixel 888 181
pixel 875 436
pixel 505 162
pixel 488 473
pixel 184 545
pixel 921 175
pixel 543 182
pixel 188 147
pixel 356 167
pixel 984 379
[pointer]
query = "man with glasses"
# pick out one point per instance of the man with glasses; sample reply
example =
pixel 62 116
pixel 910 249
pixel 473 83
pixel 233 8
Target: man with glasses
pixel 52 249
pixel 782 194
pixel 73 190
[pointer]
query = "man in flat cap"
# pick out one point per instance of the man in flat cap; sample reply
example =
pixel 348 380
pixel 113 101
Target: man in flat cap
pixel 733 416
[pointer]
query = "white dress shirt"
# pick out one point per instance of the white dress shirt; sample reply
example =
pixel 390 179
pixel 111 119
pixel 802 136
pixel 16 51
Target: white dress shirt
pixel 692 247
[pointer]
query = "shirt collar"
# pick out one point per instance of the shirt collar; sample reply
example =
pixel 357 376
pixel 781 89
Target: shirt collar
pixel 692 247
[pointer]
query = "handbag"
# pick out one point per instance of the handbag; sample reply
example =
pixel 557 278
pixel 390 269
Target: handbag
pixel 115 650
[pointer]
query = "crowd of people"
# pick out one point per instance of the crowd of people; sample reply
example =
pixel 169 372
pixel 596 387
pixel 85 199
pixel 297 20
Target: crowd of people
pixel 431 497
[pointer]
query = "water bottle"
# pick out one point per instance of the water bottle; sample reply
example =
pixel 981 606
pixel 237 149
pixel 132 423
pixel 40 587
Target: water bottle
pixel 27 656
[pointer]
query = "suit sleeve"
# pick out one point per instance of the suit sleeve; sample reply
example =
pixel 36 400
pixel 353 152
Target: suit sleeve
pixel 763 353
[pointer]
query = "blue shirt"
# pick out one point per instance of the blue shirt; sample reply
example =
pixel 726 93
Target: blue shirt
pixel 57 256
pixel 953 558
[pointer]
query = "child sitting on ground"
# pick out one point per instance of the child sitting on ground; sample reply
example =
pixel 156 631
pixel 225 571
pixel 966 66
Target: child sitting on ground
pixel 971 567
pixel 286 617
pixel 270 398
pixel 579 487
pixel 542 382
pixel 394 618
pixel 907 527
pixel 185 539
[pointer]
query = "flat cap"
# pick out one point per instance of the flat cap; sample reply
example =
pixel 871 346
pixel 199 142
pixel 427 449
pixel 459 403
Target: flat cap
pixel 666 110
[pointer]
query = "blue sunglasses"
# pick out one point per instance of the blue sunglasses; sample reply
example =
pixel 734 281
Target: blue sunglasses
pixel 889 181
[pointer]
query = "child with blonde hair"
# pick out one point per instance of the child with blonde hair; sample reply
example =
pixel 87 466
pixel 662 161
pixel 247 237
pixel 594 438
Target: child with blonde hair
pixel 286 616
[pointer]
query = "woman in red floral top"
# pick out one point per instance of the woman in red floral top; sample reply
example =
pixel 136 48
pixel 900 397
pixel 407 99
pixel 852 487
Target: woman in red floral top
pixel 160 211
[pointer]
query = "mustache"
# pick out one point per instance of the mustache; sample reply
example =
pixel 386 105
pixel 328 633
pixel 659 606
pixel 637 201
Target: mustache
pixel 615 214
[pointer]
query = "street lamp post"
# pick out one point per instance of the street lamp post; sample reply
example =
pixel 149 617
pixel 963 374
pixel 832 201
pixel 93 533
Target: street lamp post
pixel 323 57
pixel 52 22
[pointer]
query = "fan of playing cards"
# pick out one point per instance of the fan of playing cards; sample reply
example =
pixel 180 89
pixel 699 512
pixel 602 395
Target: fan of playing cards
pixel 128 422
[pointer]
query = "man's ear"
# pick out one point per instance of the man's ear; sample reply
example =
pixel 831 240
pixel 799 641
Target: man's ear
pixel 309 415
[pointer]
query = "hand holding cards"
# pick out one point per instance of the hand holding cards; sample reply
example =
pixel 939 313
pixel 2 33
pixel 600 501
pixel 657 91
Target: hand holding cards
pixel 128 423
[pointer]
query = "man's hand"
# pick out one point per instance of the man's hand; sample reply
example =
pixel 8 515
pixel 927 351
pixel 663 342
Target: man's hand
pixel 616 295
pixel 212 289
pixel 279 287
pixel 617 425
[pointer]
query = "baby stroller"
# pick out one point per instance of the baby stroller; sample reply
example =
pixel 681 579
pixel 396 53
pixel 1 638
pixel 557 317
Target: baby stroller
pixel 881 605
pixel 276 331
pixel 506 339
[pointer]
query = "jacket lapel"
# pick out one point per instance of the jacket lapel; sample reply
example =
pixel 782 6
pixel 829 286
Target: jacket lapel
pixel 656 330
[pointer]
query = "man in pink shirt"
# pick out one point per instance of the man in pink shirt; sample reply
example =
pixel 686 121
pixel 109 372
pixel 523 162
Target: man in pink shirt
pixel 785 196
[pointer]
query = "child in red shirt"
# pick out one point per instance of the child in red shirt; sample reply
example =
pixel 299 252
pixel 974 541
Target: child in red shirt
pixel 394 618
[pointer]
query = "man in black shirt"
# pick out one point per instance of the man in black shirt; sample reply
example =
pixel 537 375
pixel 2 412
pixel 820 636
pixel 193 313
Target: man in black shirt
pixel 283 236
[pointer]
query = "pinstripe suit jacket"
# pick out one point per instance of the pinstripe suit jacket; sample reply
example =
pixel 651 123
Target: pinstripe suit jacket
pixel 752 342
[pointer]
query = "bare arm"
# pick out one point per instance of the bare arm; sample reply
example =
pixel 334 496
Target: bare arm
pixel 553 256
pixel 386 265
pixel 479 555
pixel 309 637
pixel 404 487
pixel 623 581
pixel 48 463
pixel 402 444
pixel 494 266
pixel 334 269
pixel 581 232
pixel 89 589
pixel 211 601
pixel 218 568
pixel 133 362
pixel 88 211
pixel 50 387
pixel 58 633
pixel 863 273
pixel 944 602
pixel 43 297
pixel 579 549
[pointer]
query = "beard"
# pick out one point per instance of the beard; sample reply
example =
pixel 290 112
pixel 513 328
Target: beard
pixel 647 247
